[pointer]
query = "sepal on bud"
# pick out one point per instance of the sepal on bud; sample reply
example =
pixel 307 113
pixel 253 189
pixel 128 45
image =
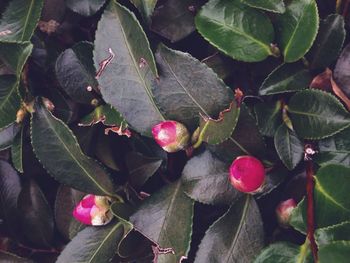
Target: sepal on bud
pixel 172 136
pixel 284 211
pixel 93 210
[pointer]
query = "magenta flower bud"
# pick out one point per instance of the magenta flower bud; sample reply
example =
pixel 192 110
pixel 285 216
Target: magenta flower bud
pixel 93 210
pixel 247 174
pixel 172 136
pixel 284 211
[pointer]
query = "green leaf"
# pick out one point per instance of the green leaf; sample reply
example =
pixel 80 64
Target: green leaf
pixel 173 19
pixel 235 237
pixel 9 257
pixel 15 55
pixel 338 252
pixel 227 25
pixel 20 19
pixel 131 64
pixel 181 98
pixel 328 43
pixel 219 130
pixel 283 252
pixel 145 7
pixel 340 232
pixel 94 244
pixel 58 150
pixel 7 135
pixel 335 149
pixel 316 114
pixel 85 7
pixel 166 219
pixel 286 78
pixel 75 72
pixel 205 179
pixel 245 139
pixel 288 146
pixel 36 216
pixel 275 6
pixel 66 200
pixel 269 117
pixel 17 151
pixel 297 29
pixel 9 100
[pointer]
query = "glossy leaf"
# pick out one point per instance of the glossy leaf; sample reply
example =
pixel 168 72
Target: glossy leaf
pixel 320 112
pixel 9 257
pixel 269 117
pixel 145 7
pixel 328 43
pixel 275 6
pixel 227 25
pixel 283 252
pixel 341 72
pixel 288 146
pixel 7 135
pixel 286 78
pixel 94 244
pixel 20 20
pixel 219 130
pixel 173 19
pixel 75 72
pixel 36 216
pixel 297 29
pixel 182 99
pixel 85 7
pixel 166 219
pixel 235 237
pixel 17 151
pixel 335 252
pixel 340 232
pixel 131 64
pixel 205 179
pixel 15 55
pixel 58 150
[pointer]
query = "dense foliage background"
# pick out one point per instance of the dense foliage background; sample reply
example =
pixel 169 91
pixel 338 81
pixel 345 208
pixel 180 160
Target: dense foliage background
pixel 83 82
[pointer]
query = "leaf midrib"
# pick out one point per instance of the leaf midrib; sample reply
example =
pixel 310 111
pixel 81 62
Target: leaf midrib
pixel 7 98
pixel 320 188
pixel 27 18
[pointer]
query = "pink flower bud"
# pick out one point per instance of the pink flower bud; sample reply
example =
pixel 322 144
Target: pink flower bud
pixel 93 210
pixel 284 211
pixel 172 136
pixel 247 174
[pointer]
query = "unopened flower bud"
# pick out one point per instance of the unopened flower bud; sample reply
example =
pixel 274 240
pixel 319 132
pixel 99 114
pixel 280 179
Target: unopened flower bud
pixel 48 104
pixel 93 210
pixel 21 113
pixel 172 136
pixel 284 211
pixel 247 174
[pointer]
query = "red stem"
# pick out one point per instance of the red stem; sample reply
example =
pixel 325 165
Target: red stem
pixel 346 8
pixel 310 184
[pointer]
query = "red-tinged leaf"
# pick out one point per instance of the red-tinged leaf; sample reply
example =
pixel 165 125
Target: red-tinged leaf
pixel 322 81
pixel 340 94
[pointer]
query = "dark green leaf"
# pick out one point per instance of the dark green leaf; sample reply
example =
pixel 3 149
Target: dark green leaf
pixel 122 211
pixel 338 252
pixel 297 29
pixel 166 219
pixel 227 24
pixel 94 244
pixel 58 150
pixel 235 237
pixel 12 258
pixel 340 232
pixel 181 98
pixel 205 179
pixel 219 130
pixel 316 114
pixel 15 55
pixel 286 78
pixel 66 200
pixel 17 151
pixel 75 72
pixel 36 216
pixel 328 43
pixel 146 8
pixel 8 134
pixel 269 117
pixel 288 146
pixel 85 7
pixel 341 71
pixel 284 252
pixel 173 19
pixel 275 6
pixel 20 20
pixel 245 139
pixel 131 65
